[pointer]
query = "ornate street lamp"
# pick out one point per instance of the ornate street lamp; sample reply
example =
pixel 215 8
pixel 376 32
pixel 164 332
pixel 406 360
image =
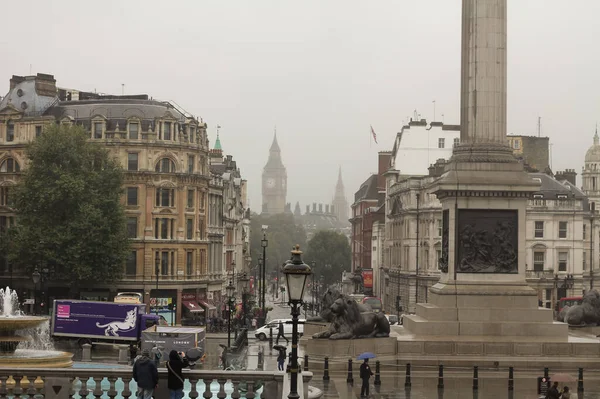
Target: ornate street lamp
pixel 36 277
pixel 230 289
pixel 296 272
pixel 264 243
pixel 314 289
pixel 244 283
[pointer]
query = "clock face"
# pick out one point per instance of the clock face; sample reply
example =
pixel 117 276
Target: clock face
pixel 270 182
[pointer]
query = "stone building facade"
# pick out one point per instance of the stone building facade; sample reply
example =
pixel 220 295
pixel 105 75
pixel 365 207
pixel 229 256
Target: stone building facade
pixel 168 188
pixel 531 150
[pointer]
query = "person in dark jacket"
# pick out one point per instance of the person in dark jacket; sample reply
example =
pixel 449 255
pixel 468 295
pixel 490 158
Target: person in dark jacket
pixel 280 333
pixel 146 375
pixel 365 375
pixel 281 358
pixel 176 363
pixel 553 392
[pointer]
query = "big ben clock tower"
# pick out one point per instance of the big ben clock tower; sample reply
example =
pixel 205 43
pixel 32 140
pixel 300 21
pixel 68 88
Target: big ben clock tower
pixel 274 182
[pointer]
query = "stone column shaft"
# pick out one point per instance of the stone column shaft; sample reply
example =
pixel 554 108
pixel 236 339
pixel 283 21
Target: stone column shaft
pixel 483 76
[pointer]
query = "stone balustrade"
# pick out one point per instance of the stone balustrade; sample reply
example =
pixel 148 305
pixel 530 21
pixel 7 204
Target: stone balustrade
pixel 115 383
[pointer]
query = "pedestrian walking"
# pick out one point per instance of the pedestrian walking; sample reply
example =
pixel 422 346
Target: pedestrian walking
pixel 132 353
pixel 156 355
pixel 553 392
pixel 145 375
pixel 565 393
pixel 177 361
pixel 365 375
pixel 280 333
pixel 281 358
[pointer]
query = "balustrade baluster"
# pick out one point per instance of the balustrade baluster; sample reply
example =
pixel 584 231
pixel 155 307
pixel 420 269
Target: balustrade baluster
pixel 112 391
pixel 126 391
pixel 3 389
pixel 236 390
pixel 250 394
pixel 84 391
pixel 18 389
pixel 98 387
pixel 30 388
pixel 193 392
pixel 207 393
pixel 71 387
pixel 221 394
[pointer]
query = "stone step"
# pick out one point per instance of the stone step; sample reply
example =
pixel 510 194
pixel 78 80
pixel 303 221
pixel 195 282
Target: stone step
pixel 484 301
pixel 419 326
pixel 432 312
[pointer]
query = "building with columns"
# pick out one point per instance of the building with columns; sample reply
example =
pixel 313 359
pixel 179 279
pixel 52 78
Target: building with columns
pixel 168 200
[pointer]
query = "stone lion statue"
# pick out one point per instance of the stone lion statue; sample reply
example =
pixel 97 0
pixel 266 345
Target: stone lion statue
pixel 328 298
pixel 588 313
pixel 351 320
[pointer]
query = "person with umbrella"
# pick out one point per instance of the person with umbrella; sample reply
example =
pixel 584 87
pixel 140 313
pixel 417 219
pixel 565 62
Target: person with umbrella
pixel 281 356
pixel 553 392
pixel 365 373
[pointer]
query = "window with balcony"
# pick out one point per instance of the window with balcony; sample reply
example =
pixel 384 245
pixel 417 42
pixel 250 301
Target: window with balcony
pixel 189 229
pixel 9 165
pixel 562 261
pixel 539 229
pixel 189 263
pixel 190 198
pixel 165 165
pixel 10 131
pixel 538 261
pixel 134 130
pixel 132 161
pixel 164 228
pixel 165 197
pixel 132 227
pixel 131 264
pixel 562 229
pixel 98 127
pixel 167 262
pixel 132 196
pixel 191 162
pixel 441 142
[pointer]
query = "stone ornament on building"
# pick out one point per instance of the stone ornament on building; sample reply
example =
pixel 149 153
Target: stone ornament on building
pixel 488 241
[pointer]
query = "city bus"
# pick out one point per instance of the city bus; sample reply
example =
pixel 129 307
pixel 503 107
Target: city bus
pixel 569 301
pixel 129 297
pixel 373 302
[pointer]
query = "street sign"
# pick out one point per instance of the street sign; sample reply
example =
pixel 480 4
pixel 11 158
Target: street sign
pixel 543 385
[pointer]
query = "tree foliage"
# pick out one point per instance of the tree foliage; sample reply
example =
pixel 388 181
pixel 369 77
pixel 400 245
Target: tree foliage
pixel 283 233
pixel 69 213
pixel 330 250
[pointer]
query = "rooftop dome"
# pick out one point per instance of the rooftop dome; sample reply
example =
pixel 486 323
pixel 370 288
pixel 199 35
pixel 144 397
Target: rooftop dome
pixel 593 154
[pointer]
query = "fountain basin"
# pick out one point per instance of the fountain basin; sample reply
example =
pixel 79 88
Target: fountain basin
pixel 12 323
pixel 28 358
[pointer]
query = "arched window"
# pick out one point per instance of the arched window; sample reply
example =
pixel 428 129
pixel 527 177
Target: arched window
pixel 9 165
pixel 165 165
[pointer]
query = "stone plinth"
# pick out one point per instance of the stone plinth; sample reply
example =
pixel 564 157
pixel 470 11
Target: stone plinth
pixel 339 351
pixel 315 327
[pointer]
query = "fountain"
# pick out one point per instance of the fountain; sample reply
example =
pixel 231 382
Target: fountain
pixel 12 320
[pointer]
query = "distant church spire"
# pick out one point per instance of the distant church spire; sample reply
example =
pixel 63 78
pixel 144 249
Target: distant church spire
pixel 596 139
pixel 340 203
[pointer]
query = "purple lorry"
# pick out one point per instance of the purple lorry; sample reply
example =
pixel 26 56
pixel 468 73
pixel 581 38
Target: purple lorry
pixel 91 321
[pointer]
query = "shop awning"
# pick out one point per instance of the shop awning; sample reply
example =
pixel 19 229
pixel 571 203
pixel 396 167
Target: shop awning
pixel 193 307
pixel 207 304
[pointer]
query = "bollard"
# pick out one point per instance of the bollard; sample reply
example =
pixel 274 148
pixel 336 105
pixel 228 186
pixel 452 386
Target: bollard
pixel 86 355
pixel 326 370
pixel 546 373
pixel 377 380
pixel 305 362
pixel 580 382
pixel 349 379
pixel 511 380
pixel 441 377
pixel 475 378
pixel 261 360
pixel 270 337
pixel 407 382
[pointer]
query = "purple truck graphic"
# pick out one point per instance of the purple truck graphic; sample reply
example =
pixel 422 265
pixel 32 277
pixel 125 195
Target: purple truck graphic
pixel 106 321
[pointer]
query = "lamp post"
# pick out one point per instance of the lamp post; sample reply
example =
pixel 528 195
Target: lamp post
pixel 314 290
pixel 36 277
pixel 230 299
pixel 296 273
pixel 244 282
pixel 156 271
pixel 264 243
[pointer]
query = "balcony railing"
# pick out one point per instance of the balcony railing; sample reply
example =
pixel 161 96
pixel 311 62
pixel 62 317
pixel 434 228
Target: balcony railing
pixel 541 274
pixel 118 383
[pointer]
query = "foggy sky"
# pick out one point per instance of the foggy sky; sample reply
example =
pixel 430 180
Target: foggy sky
pixel 321 71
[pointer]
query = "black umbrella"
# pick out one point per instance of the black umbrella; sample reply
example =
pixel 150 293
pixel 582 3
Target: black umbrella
pixel 194 354
pixel 279 347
